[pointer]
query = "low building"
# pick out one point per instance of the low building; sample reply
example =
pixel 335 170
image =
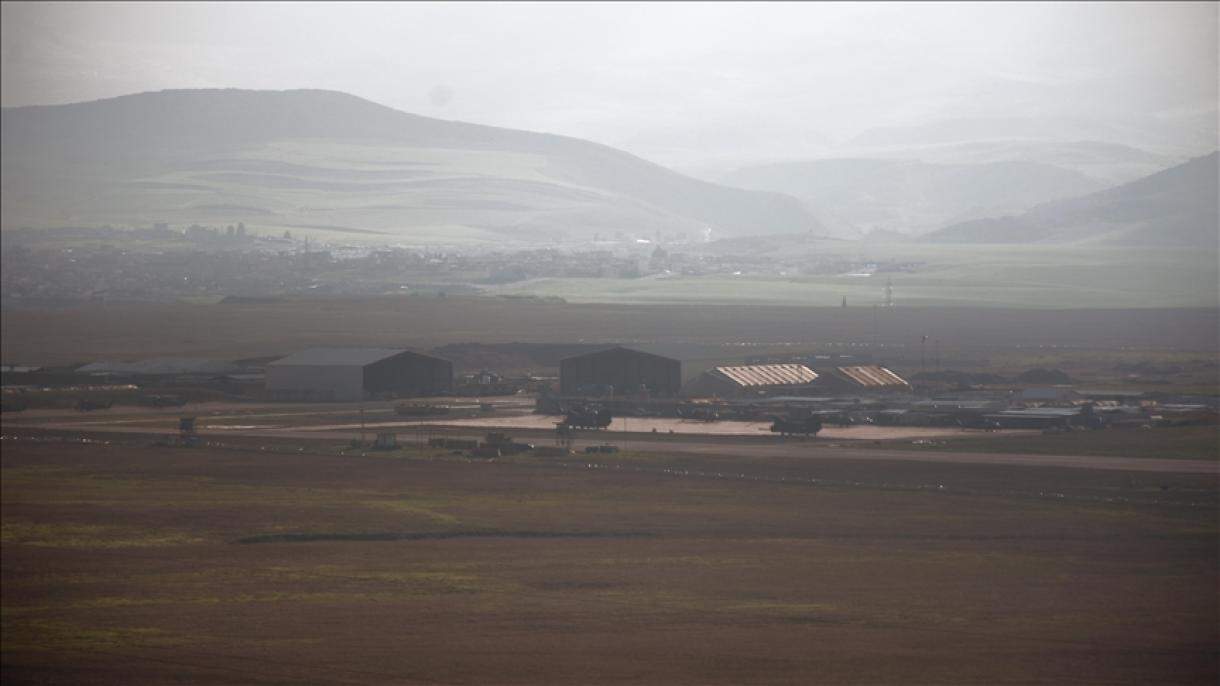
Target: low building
pixel 620 371
pixel 750 380
pixel 350 374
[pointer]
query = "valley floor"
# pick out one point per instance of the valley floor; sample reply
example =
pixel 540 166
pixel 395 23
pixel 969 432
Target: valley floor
pixel 129 563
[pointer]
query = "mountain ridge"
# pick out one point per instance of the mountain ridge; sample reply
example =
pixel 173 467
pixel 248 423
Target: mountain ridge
pixel 1178 206
pixel 156 139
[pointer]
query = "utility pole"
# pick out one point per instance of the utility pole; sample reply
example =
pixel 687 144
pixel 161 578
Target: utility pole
pixel 875 334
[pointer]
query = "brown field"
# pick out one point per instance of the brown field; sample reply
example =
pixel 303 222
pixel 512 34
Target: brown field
pixel 126 563
pixel 1186 442
pixel 996 338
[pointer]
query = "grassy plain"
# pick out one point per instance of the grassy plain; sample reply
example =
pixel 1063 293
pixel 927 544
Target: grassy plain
pixel 1007 276
pixel 1178 443
pixel 132 564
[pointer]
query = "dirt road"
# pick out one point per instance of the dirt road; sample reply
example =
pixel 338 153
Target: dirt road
pixel 720 438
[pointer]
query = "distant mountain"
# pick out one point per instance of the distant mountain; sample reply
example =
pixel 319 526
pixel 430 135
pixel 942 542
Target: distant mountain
pixel 982 128
pixel 1111 163
pixel 331 162
pixel 909 196
pixel 1175 207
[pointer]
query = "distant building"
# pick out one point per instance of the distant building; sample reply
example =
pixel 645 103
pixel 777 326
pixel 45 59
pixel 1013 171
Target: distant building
pixel 750 380
pixel 620 371
pixel 861 379
pixel 349 374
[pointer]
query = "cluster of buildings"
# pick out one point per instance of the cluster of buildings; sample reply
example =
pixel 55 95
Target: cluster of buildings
pixel 631 382
pixel 161 262
pixel 620 372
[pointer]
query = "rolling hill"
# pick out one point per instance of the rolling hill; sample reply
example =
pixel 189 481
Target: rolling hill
pixel 1177 207
pixel 333 163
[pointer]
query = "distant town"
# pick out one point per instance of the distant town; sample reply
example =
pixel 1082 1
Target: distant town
pixel 166 263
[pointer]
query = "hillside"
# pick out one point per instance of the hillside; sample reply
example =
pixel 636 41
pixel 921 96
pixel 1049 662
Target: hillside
pixel 334 163
pixel 1177 207
pixel 910 196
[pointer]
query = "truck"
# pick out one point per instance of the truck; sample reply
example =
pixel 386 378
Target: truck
pixel 586 419
pixel 809 426
pixel 503 444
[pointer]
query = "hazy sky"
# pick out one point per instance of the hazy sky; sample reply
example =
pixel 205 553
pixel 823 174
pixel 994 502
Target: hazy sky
pixel 681 83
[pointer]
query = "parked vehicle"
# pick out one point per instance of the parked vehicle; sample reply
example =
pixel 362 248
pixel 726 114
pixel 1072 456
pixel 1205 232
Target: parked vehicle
pixel 797 427
pixel 504 444
pixel 587 419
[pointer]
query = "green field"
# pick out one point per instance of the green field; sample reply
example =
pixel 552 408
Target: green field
pixel 945 275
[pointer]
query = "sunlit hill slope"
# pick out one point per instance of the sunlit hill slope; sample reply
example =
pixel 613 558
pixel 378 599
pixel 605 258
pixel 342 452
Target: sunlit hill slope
pixel 338 163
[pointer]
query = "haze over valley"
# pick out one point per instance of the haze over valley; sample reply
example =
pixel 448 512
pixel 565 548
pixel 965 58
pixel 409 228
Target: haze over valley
pixel 393 202
pixel 610 343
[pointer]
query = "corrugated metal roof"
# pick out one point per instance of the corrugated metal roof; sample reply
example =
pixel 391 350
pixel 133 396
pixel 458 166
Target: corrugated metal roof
pixel 872 376
pixel 769 374
pixel 650 351
pixel 339 357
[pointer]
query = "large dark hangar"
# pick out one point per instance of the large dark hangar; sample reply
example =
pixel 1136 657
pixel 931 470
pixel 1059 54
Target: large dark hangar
pixel 620 371
pixel 347 374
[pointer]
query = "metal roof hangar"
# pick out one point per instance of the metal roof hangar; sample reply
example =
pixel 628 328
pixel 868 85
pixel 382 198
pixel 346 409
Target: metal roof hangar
pixel 619 371
pixel 348 374
pixel 725 382
pixel 870 378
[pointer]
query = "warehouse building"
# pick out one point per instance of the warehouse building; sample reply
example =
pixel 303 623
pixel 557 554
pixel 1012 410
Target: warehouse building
pixel 861 379
pixel 750 381
pixel 348 374
pixel 620 371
